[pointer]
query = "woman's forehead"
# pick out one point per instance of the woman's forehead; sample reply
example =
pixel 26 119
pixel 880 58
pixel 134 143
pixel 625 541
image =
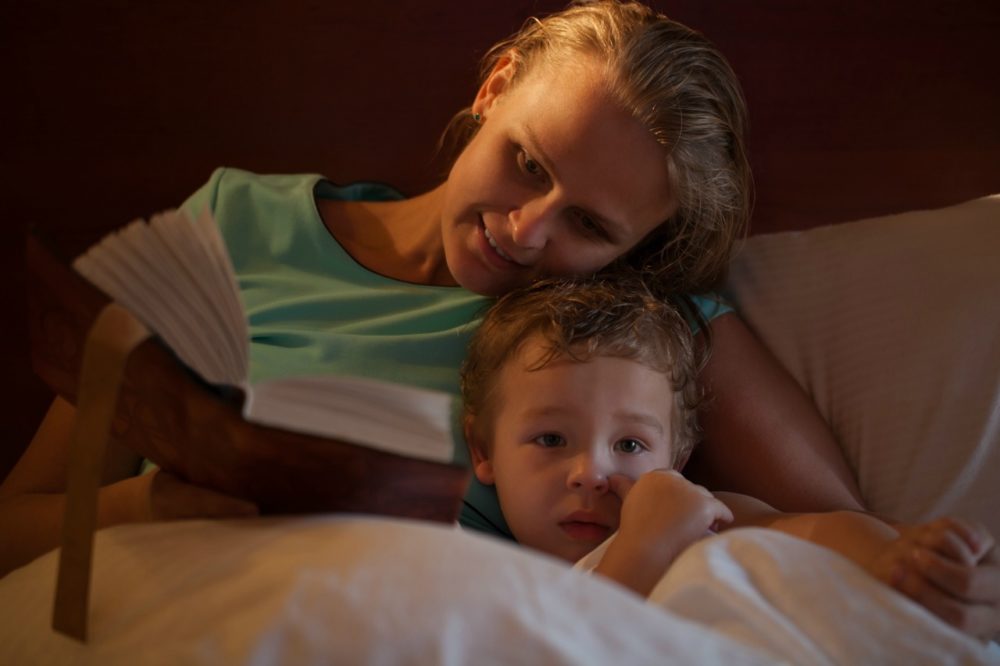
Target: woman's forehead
pixel 591 145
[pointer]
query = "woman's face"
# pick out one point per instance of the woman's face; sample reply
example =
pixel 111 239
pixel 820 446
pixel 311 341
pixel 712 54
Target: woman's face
pixel 559 180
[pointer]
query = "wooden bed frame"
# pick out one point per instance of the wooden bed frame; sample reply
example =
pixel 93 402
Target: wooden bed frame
pixel 115 110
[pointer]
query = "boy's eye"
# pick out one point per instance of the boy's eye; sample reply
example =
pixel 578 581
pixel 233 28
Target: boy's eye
pixel 549 440
pixel 630 446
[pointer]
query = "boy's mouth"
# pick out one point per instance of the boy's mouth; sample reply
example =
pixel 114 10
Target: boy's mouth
pixel 585 526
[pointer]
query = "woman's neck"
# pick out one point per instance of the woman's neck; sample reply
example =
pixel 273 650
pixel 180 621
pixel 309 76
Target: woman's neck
pixel 398 239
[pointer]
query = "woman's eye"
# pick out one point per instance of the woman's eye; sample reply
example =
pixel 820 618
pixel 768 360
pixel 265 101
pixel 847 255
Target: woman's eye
pixel 549 440
pixel 589 225
pixel 630 446
pixel 529 165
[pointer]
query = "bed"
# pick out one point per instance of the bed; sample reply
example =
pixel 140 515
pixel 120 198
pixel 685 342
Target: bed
pixel 876 147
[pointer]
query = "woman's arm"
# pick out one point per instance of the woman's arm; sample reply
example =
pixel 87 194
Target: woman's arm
pixel 946 565
pixel 32 497
pixel 763 436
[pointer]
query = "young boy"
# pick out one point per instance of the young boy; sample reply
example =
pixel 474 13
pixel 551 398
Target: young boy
pixel 580 401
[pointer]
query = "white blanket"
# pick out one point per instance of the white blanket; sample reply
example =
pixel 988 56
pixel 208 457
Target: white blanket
pixel 366 590
pixel 805 604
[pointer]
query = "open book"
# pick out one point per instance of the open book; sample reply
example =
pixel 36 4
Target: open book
pixel 297 444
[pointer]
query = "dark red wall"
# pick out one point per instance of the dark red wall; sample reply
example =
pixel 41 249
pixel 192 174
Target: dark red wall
pixel 115 109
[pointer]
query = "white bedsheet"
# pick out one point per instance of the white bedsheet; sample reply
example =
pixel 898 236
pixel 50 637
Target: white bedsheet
pixel 364 590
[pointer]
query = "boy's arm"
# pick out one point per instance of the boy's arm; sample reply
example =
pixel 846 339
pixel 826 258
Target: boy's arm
pixel 662 514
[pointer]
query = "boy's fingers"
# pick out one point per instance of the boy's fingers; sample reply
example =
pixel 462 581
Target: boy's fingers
pixel 725 514
pixel 620 485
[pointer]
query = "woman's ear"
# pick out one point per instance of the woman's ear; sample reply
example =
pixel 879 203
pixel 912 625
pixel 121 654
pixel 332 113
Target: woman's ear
pixel 481 465
pixel 495 85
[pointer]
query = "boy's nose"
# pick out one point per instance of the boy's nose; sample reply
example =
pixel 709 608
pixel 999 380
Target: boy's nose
pixel 588 474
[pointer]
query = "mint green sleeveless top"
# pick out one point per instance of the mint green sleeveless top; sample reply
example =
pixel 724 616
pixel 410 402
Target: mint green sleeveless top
pixel 313 310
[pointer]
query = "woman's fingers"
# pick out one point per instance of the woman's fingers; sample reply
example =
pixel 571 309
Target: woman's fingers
pixel 975 584
pixel 966 597
pixel 173 498
pixel 961 540
pixel 978 619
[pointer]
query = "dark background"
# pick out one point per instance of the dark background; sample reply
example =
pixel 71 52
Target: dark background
pixel 115 109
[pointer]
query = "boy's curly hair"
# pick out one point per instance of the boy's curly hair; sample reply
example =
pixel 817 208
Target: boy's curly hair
pixel 612 315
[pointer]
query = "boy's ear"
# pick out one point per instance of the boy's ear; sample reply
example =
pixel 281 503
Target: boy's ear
pixel 495 85
pixel 481 465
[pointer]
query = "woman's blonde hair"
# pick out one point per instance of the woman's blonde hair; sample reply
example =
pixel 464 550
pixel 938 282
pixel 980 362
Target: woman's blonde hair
pixel 680 87
pixel 612 315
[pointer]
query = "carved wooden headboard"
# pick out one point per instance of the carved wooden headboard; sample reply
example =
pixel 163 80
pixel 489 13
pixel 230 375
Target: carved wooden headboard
pixel 115 109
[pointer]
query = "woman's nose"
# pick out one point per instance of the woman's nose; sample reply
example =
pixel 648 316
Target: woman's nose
pixel 532 223
pixel 588 474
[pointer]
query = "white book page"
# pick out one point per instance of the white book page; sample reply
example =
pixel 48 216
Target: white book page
pixel 165 282
pixel 181 318
pixel 111 266
pixel 395 418
pixel 200 255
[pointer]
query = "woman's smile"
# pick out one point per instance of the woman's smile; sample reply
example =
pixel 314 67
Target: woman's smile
pixel 493 243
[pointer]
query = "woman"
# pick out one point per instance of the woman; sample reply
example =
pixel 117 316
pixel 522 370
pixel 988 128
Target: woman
pixel 604 133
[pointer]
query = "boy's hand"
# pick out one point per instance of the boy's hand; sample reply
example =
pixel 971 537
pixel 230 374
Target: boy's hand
pixel 163 496
pixel 663 513
pixel 951 568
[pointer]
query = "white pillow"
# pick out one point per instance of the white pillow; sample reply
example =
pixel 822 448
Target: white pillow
pixel 892 324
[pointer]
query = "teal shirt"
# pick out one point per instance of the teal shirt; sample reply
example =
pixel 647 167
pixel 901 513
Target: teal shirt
pixel 312 309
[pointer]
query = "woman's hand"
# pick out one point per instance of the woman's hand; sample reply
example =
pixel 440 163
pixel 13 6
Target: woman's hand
pixel 662 514
pixel 950 567
pixel 160 495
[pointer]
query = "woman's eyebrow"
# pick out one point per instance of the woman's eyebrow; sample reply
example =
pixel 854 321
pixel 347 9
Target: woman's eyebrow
pixel 612 228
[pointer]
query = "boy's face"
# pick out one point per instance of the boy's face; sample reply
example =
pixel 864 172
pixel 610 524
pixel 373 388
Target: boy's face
pixel 555 436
